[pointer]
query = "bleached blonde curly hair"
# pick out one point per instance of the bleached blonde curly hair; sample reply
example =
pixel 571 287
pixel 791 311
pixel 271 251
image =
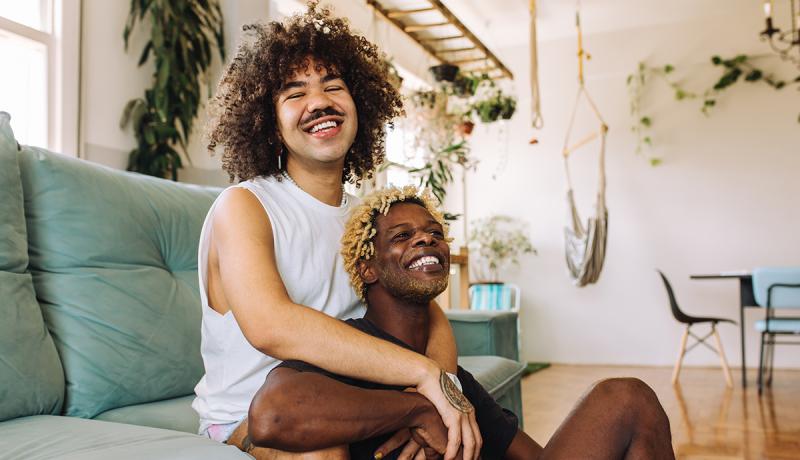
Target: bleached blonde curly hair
pixel 357 242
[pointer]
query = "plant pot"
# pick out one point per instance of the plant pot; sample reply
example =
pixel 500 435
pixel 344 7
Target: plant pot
pixel 444 72
pixel 489 113
pixel 508 108
pixel 465 128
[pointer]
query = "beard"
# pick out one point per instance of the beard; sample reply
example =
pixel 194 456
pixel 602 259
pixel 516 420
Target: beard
pixel 413 290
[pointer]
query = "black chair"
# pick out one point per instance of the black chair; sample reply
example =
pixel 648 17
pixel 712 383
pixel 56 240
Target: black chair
pixel 690 321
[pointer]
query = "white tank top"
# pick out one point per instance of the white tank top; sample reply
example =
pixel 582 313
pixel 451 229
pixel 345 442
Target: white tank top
pixel 307 235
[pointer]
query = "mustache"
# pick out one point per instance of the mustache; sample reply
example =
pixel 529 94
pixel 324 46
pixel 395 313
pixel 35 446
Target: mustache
pixel 328 111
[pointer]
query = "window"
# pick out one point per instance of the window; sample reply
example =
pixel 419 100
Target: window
pixel 401 153
pixel 39 84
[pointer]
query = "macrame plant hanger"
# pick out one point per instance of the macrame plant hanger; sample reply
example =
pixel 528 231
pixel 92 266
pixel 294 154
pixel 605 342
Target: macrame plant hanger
pixel 585 246
pixel 536 110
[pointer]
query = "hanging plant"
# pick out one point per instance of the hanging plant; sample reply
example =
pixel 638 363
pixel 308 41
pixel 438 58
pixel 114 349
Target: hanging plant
pixel 733 70
pixel 444 72
pixel 182 35
pixel 490 103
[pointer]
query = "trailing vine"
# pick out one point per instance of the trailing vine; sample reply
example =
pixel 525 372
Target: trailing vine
pixel 182 35
pixel 738 68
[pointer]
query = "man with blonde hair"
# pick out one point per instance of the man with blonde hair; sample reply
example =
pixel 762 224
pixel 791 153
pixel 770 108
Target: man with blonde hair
pixel 396 252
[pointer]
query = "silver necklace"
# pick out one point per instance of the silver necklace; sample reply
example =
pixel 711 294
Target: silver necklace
pixel 289 178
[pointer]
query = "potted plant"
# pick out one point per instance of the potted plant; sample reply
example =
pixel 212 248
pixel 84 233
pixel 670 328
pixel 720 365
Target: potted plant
pixel 444 72
pixel 465 85
pixel 163 118
pixel 490 103
pixel 498 241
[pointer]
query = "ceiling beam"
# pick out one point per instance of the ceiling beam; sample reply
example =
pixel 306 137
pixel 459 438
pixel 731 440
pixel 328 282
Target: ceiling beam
pixel 452 18
pixel 400 13
pixel 441 39
pixel 417 27
pixel 394 15
pixel 455 50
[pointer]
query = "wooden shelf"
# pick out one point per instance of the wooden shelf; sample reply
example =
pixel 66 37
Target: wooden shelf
pixel 439 32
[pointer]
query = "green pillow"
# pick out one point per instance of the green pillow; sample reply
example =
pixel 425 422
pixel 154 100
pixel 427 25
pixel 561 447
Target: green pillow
pixel 31 377
pixel 114 262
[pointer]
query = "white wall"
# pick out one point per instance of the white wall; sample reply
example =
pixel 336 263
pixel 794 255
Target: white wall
pixel 724 198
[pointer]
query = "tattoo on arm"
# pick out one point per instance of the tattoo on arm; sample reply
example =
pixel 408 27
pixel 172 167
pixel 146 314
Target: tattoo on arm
pixel 454 397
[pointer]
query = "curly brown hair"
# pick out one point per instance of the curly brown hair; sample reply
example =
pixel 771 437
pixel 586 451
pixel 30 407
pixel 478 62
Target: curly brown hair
pixel 244 120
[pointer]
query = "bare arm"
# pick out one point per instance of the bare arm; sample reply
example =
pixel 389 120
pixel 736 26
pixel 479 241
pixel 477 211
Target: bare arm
pixel 441 341
pixel 306 411
pixel 278 327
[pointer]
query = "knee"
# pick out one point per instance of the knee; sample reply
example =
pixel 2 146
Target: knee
pixel 626 391
pixel 631 396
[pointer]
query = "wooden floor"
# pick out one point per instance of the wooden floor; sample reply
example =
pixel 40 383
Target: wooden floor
pixel 708 420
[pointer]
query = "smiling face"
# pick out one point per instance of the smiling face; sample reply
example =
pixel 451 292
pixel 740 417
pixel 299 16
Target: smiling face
pixel 317 118
pixel 412 258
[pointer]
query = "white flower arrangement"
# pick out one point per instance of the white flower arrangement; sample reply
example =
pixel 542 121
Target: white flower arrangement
pixel 497 242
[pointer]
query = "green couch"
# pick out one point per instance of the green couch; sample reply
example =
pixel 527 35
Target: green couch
pixel 100 336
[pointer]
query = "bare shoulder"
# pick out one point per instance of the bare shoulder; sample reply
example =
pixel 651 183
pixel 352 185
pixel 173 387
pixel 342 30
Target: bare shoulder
pixel 239 213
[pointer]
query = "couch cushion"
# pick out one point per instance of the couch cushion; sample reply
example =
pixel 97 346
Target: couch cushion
pixel 114 263
pixel 31 377
pixel 480 333
pixel 497 375
pixel 494 373
pixel 173 414
pixel 69 438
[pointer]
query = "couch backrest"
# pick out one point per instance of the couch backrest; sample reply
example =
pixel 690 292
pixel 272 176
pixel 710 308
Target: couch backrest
pixel 114 263
pixel 31 377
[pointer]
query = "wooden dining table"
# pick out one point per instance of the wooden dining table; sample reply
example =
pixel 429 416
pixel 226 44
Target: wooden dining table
pixel 746 300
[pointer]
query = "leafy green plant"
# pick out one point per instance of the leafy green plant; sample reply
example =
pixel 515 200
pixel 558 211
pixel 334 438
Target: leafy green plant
pixel 491 103
pixel 437 172
pixel 182 35
pixel 733 70
pixel 499 241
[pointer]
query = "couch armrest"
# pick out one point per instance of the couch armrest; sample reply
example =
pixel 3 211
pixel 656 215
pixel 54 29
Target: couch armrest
pixel 481 333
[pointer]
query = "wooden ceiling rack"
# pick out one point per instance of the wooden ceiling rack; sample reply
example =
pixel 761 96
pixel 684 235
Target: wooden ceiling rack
pixel 442 35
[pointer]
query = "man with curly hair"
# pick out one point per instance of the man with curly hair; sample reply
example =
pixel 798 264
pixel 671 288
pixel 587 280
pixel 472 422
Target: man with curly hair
pixel 299 111
pixel 396 251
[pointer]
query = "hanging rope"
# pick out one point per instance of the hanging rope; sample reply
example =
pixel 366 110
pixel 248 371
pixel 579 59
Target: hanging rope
pixel 585 246
pixel 536 111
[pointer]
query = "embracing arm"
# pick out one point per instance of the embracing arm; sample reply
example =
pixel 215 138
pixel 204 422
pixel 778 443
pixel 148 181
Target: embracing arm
pixel 278 327
pixel 441 341
pixel 304 411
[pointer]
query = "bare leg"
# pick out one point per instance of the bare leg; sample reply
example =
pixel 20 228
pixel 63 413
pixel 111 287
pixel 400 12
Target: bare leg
pixel 616 419
pixel 239 439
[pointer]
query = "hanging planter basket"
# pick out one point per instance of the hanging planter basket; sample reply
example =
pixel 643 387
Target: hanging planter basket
pixel 509 107
pixel 444 72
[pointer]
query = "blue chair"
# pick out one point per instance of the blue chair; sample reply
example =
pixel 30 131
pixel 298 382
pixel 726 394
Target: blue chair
pixel 494 296
pixel 775 288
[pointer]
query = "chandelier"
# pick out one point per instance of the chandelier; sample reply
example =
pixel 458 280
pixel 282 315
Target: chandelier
pixel 784 42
